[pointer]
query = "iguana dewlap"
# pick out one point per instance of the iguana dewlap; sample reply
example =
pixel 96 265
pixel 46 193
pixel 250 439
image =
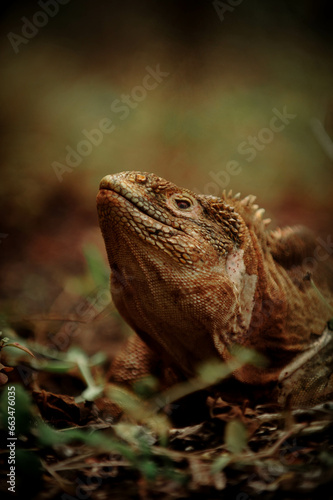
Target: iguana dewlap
pixel 194 275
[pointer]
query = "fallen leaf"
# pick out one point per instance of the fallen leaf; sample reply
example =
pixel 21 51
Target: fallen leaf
pixel 19 346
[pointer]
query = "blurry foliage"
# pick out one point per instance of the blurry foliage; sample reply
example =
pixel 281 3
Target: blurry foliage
pixel 198 459
pixel 145 448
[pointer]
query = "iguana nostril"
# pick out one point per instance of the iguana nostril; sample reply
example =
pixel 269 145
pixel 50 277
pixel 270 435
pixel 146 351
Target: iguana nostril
pixel 105 182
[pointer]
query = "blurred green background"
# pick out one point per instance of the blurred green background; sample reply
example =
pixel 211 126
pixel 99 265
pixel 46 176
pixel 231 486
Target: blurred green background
pixel 228 68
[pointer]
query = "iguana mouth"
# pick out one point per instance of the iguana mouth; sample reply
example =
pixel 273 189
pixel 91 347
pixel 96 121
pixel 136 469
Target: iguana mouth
pixel 130 210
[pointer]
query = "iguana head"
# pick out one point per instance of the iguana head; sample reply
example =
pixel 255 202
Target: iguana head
pixel 190 229
pixel 183 269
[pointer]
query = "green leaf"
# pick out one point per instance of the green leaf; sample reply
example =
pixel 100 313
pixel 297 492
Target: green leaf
pixel 212 372
pixel 139 410
pixel 235 436
pixel 245 355
pixel 320 295
pixel 220 463
pixel 149 469
pixel 23 409
pixel 146 386
pixel 91 393
pixel 19 346
pixel 96 265
pixel 53 366
pixel 98 358
pixel 49 437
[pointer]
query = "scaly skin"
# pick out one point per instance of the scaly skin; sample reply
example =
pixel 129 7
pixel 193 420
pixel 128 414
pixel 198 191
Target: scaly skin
pixel 193 275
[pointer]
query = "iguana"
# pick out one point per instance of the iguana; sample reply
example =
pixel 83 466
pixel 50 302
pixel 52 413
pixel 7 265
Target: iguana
pixel 194 275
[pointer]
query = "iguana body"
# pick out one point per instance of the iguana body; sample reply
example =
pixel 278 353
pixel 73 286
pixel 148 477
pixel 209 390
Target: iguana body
pixel 193 275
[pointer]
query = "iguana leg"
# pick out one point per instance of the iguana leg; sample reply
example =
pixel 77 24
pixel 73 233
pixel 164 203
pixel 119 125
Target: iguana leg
pixel 136 361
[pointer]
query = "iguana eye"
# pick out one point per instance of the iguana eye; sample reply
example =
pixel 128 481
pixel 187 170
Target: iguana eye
pixel 182 203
